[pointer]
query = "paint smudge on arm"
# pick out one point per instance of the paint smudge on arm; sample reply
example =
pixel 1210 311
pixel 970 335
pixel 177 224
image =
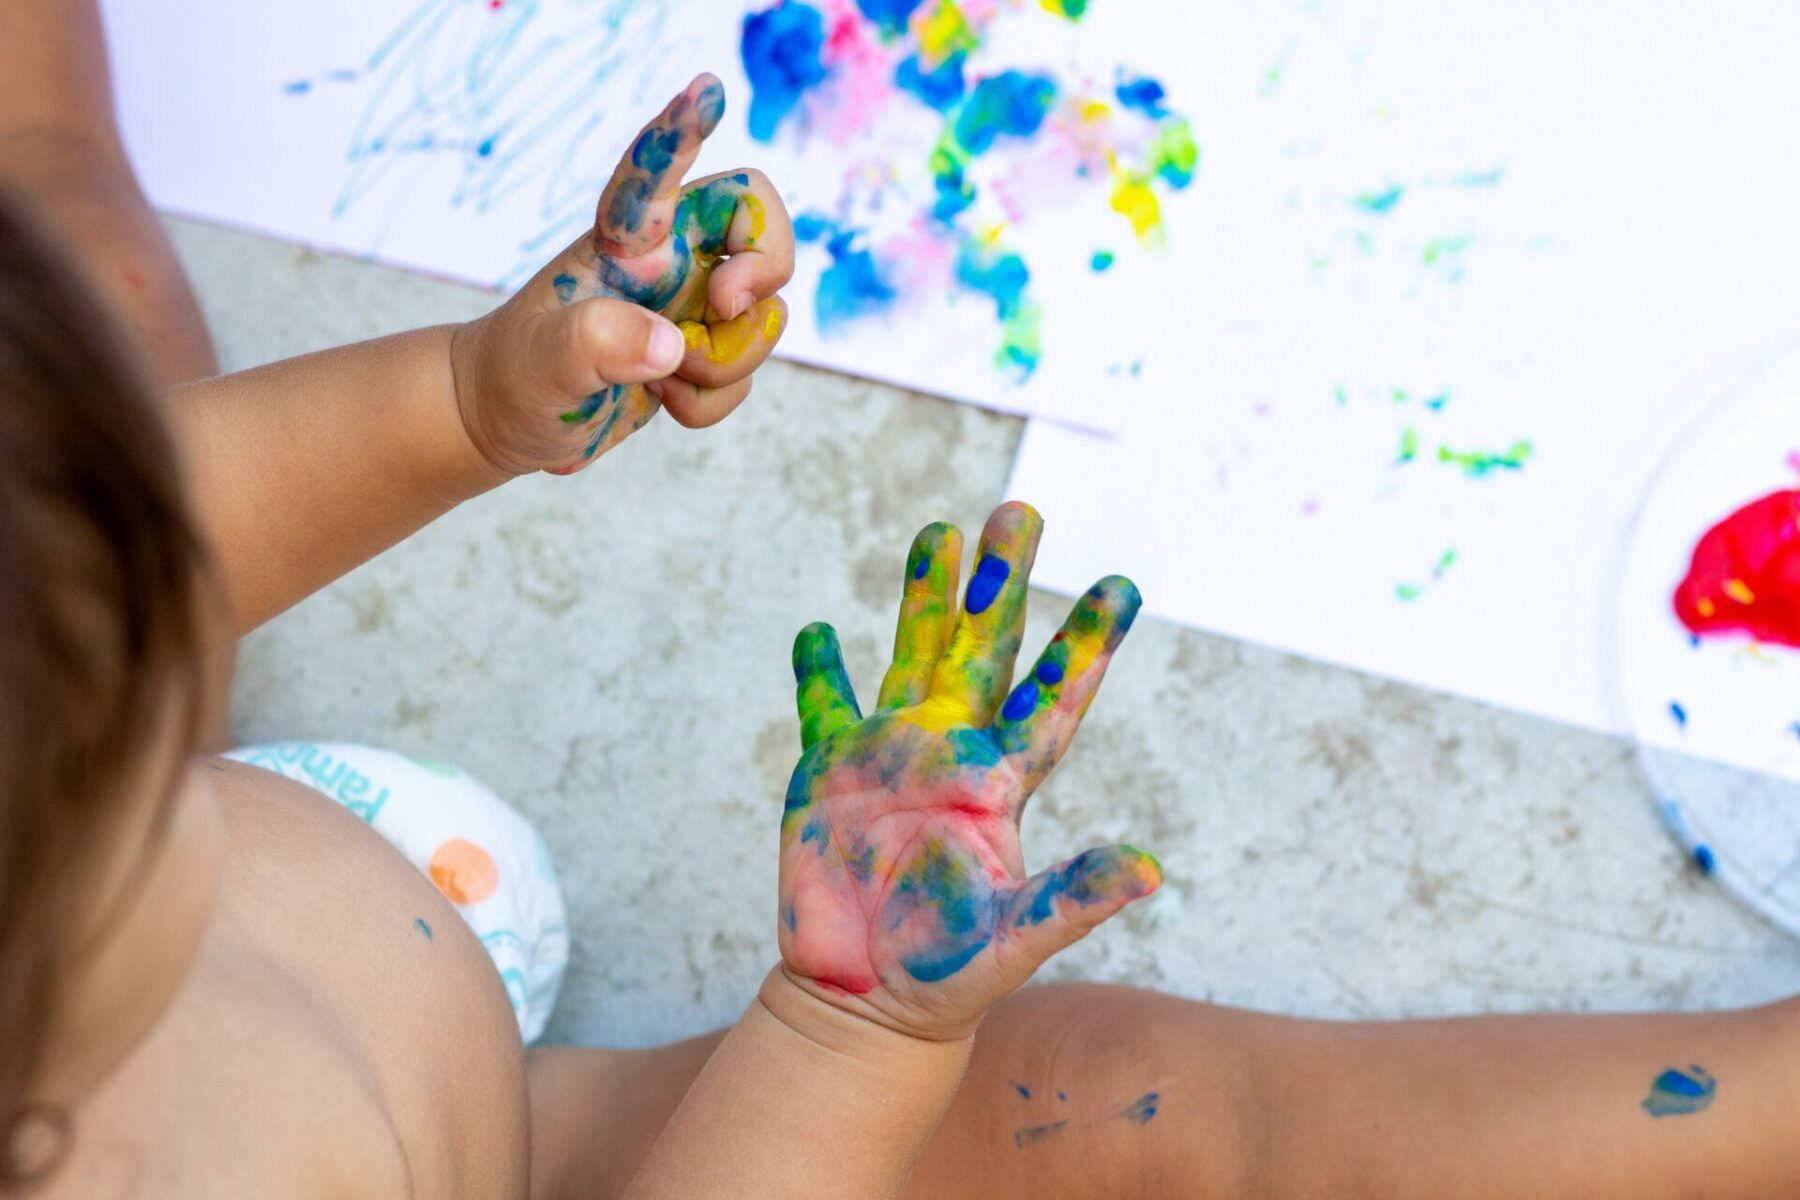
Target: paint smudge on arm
pixel 1141 1111
pixel 1677 1093
pixel 424 927
pixel 1037 1134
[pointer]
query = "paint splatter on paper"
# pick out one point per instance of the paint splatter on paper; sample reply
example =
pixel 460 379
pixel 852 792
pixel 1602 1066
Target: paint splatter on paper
pixel 1744 578
pixel 946 146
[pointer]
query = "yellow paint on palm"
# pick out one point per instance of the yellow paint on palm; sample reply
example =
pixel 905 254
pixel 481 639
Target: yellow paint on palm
pixel 938 714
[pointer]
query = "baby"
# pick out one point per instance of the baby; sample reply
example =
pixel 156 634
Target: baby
pixel 214 982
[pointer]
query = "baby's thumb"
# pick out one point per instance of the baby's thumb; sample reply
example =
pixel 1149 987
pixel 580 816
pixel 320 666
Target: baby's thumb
pixel 1058 907
pixel 617 341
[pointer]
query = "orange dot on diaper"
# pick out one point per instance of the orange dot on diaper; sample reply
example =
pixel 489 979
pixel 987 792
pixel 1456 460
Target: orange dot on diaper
pixel 464 872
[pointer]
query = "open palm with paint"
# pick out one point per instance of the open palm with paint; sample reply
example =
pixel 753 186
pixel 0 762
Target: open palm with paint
pixel 668 301
pixel 903 891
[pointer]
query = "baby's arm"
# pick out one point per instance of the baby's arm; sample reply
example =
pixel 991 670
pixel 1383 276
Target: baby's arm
pixel 905 910
pixel 302 469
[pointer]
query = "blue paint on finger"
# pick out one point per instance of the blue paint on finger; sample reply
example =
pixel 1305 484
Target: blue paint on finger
pixel 1050 672
pixel 990 573
pixel 924 566
pixel 655 149
pixel 1022 703
pixel 565 286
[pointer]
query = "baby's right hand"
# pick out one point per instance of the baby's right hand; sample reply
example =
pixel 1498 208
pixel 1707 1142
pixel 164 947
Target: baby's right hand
pixel 903 890
pixel 668 301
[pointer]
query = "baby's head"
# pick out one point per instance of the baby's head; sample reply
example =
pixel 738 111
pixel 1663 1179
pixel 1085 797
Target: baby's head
pixel 106 862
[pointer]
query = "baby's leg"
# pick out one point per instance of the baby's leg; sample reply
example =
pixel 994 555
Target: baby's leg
pixel 1139 1096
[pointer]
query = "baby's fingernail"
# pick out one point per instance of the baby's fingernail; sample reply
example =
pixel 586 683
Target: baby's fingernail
pixel 666 347
pixel 742 303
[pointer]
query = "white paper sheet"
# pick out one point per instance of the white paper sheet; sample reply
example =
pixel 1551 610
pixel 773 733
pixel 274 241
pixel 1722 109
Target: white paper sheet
pixel 469 138
pixel 1625 180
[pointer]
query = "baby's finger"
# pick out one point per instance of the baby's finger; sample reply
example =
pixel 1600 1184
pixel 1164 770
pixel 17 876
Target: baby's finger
pixel 594 343
pixel 1058 907
pixel 697 407
pixel 1040 716
pixel 727 351
pixel 638 206
pixel 927 612
pixel 822 689
pixel 740 214
pixel 974 672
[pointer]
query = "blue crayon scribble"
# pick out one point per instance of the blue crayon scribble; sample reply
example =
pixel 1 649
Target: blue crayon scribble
pixel 1677 1093
pixel 1142 1110
pixel 781 58
pixel 424 927
pixel 492 105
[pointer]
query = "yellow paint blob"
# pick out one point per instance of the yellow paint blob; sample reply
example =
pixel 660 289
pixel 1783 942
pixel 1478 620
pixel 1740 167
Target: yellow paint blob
pixel 1133 199
pixel 694 334
pixel 1740 591
pixel 942 33
pixel 939 714
pixel 759 217
pixel 773 319
pixel 1705 607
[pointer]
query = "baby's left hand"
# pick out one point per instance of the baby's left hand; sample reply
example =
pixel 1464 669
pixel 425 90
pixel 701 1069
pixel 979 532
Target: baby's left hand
pixel 668 301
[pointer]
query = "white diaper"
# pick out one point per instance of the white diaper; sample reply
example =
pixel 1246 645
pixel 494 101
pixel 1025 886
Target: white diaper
pixel 486 858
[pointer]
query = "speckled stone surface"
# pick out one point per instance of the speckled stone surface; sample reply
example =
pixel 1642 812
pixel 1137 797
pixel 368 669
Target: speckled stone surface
pixel 611 653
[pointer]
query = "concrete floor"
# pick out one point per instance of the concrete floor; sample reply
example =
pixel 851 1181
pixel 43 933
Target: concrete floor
pixel 610 653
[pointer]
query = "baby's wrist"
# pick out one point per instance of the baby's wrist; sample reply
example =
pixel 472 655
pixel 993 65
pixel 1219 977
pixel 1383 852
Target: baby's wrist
pixel 839 1031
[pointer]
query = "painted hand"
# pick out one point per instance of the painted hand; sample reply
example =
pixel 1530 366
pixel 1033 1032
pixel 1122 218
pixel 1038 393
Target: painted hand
pixel 669 301
pixel 903 892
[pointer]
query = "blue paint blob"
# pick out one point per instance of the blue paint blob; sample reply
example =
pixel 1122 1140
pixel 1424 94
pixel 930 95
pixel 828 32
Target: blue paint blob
pixel 1144 95
pixel 953 194
pixel 655 149
pixel 1011 103
pixel 298 88
pixel 1084 879
pixel 1062 1095
pixel 1001 276
pixel 1142 1110
pixel 929 969
pixel 1102 260
pixel 990 573
pixel 1021 1089
pixel 890 15
pixel 974 747
pixel 781 57
pixel 1680 1093
pixel 1022 703
pixel 812 227
pixel 1678 712
pixel 1050 672
pixel 486 148
pixel 1703 858
pixel 924 566
pixel 565 286
pixel 424 927
pixel 940 88
pixel 711 106
pixel 787 917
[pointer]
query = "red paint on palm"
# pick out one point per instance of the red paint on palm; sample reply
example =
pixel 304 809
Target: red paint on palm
pixel 1745 574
